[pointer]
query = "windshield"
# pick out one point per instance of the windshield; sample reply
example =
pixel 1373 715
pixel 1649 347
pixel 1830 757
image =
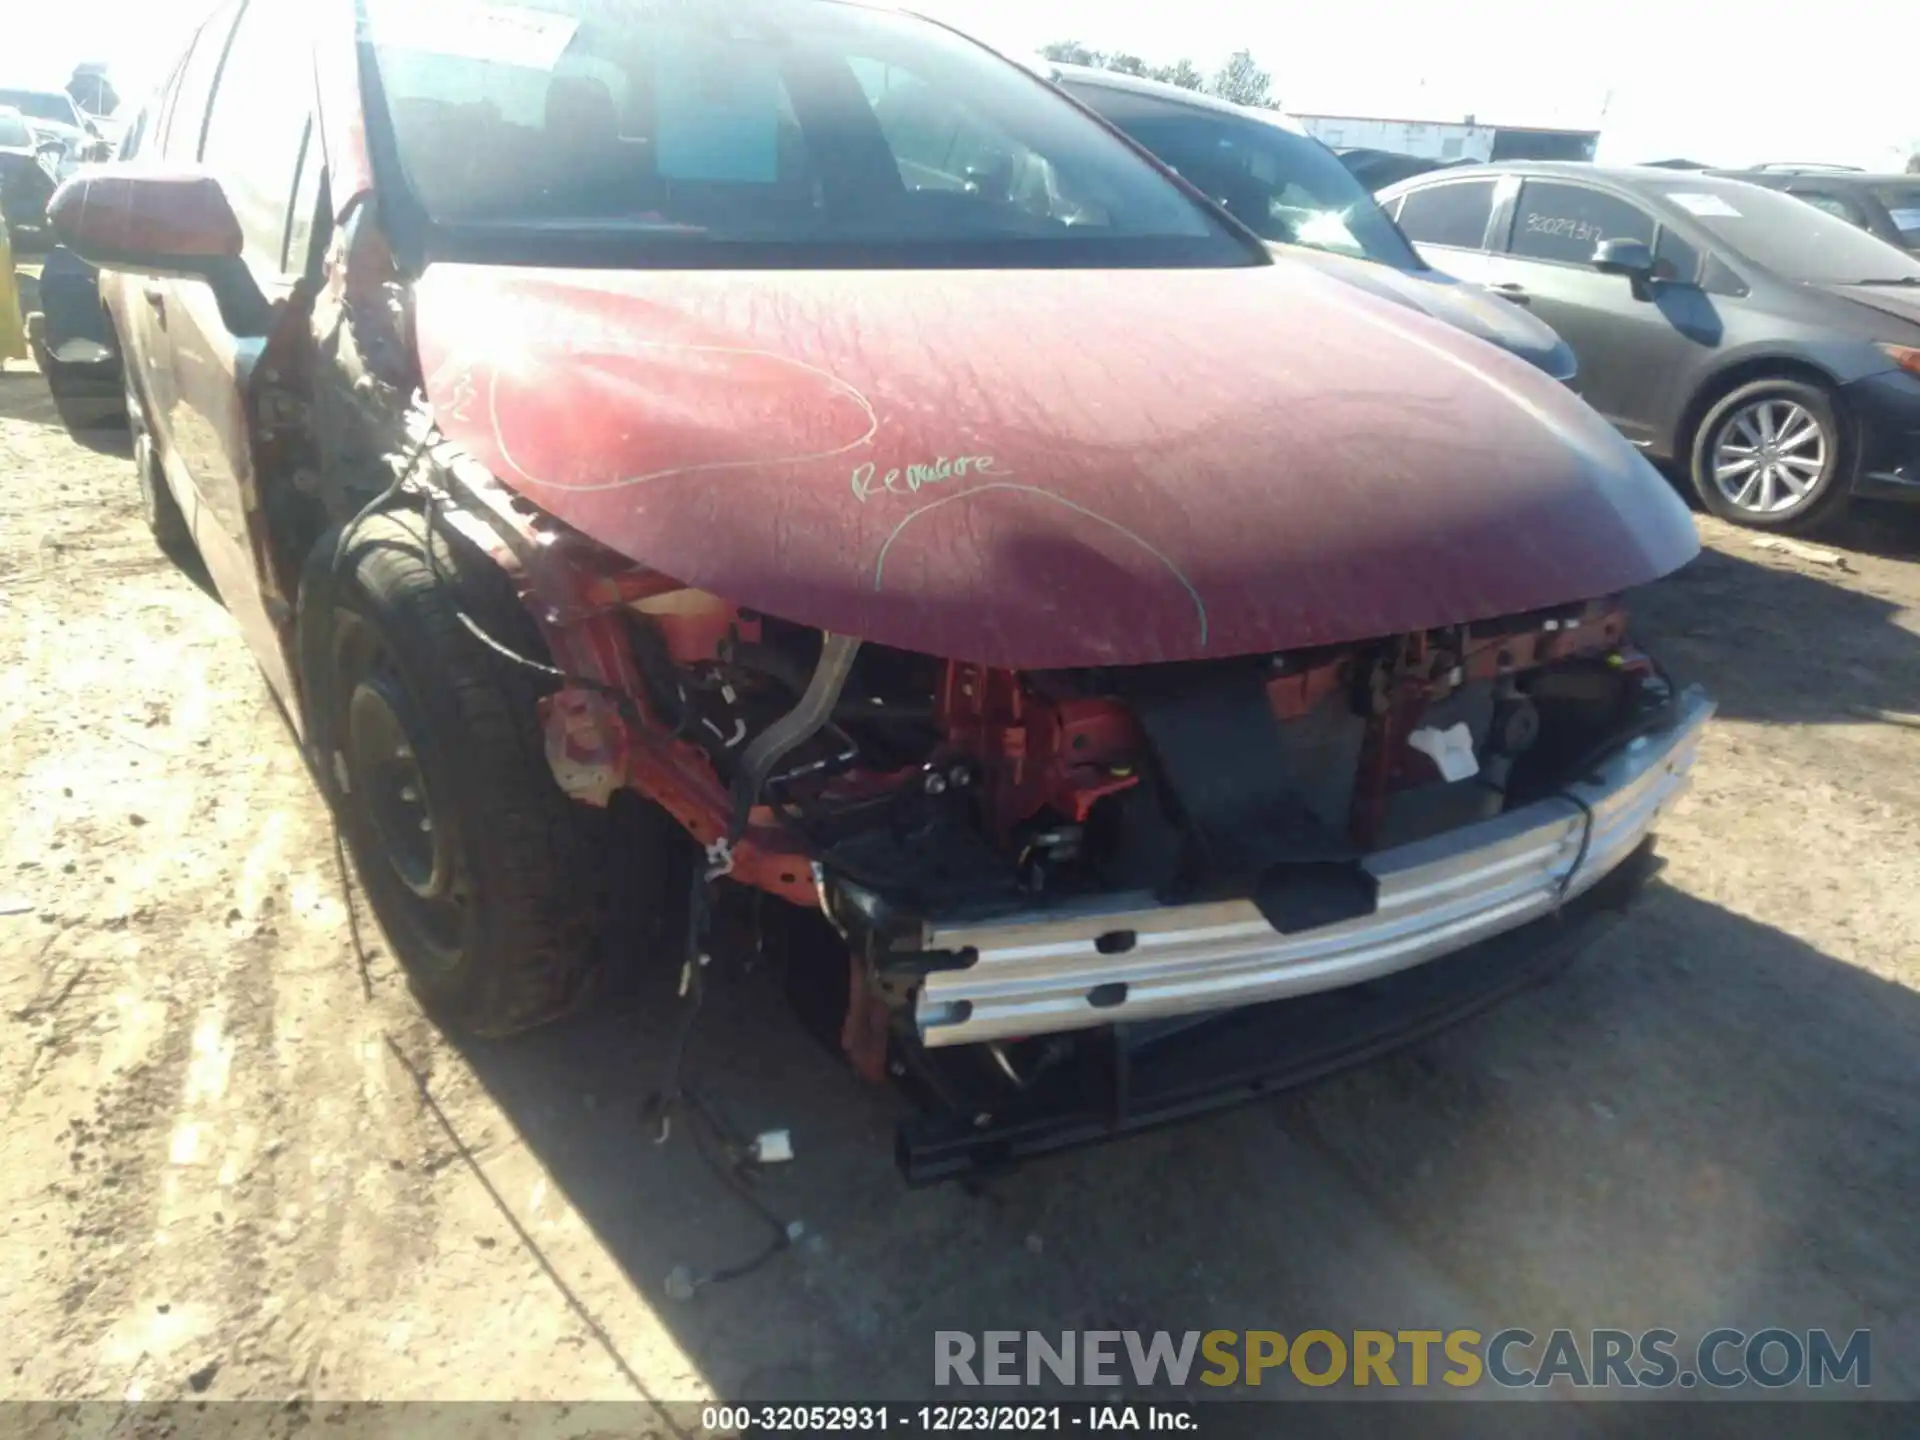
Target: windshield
pixel 1903 204
pixel 42 105
pixel 1788 236
pixel 14 133
pixel 1282 186
pixel 759 132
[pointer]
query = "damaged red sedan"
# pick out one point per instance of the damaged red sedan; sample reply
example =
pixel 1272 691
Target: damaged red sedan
pixel 790 429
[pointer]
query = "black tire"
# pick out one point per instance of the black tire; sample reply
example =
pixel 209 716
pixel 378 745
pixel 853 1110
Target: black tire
pixel 496 903
pixel 157 505
pixel 1827 494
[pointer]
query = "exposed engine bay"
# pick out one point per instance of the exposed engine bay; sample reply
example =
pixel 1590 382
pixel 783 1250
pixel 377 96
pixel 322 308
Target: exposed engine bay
pixel 943 785
pixel 883 784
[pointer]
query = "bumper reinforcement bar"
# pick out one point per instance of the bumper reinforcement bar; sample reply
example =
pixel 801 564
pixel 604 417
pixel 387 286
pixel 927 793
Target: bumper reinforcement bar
pixel 1129 959
pixel 1132 1078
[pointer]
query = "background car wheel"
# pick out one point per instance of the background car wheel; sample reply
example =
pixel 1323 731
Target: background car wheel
pixel 1771 455
pixel 157 504
pixel 85 399
pixel 487 879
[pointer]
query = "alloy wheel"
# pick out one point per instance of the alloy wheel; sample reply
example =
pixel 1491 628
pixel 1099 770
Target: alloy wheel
pixel 1770 456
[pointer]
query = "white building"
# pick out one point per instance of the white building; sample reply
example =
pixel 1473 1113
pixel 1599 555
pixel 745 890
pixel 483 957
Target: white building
pixel 1465 139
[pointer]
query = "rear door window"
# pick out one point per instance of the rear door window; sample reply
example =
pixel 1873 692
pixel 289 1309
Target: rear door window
pixel 1564 223
pixel 1836 205
pixel 1903 208
pixel 1674 259
pixel 1453 215
pixel 187 114
pixel 136 133
pixel 258 127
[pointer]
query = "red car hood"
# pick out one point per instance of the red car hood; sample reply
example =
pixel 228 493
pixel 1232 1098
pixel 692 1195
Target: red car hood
pixel 1043 469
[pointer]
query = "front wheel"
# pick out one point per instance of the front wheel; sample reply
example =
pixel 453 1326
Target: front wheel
pixel 1771 456
pixel 487 879
pixel 157 505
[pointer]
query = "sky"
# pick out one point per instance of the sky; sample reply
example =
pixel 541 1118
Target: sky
pixel 1713 80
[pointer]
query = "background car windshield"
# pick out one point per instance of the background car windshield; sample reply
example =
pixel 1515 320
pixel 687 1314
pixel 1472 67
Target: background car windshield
pixel 14 133
pixel 1903 204
pixel 767 123
pixel 1283 187
pixel 1788 236
pixel 42 105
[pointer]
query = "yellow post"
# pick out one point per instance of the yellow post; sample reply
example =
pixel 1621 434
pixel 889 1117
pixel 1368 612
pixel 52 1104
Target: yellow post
pixel 13 329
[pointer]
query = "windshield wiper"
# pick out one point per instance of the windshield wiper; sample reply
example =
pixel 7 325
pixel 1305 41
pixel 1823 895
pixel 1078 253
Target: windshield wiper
pixel 1898 280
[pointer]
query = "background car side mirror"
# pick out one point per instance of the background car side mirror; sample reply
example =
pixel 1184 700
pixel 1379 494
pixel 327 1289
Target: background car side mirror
pixel 154 222
pixel 1631 258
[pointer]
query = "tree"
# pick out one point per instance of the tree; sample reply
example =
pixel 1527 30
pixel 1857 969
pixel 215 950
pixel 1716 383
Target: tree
pixel 1072 52
pixel 1183 73
pixel 1913 163
pixel 1244 82
pixel 1239 80
pixel 92 91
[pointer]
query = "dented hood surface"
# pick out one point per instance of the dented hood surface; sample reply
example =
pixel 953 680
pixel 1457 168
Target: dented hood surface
pixel 1041 469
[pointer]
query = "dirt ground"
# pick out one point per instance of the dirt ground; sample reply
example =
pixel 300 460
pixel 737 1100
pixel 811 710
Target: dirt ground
pixel 236 1166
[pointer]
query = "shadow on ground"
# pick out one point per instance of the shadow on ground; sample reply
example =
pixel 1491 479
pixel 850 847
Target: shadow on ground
pixel 93 416
pixel 1884 529
pixel 1780 646
pixel 1665 1136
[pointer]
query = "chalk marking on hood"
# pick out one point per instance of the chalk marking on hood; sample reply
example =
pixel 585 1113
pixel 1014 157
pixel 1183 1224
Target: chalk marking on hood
pixel 705 466
pixel 880 561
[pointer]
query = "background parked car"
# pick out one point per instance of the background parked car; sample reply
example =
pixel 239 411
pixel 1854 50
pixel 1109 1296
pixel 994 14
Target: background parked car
pixel 1273 177
pixel 1768 348
pixel 93 92
pixel 73 341
pixel 26 173
pixel 53 116
pixel 1377 169
pixel 1884 205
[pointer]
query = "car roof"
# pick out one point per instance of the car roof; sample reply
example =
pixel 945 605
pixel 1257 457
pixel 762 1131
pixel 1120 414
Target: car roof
pixel 1631 177
pixel 1825 177
pixel 1096 78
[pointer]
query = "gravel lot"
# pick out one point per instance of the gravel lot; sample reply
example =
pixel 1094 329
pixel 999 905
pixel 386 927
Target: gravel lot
pixel 237 1163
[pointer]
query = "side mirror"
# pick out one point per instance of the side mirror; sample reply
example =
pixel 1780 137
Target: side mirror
pixel 160 222
pixel 1630 258
pixel 150 222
